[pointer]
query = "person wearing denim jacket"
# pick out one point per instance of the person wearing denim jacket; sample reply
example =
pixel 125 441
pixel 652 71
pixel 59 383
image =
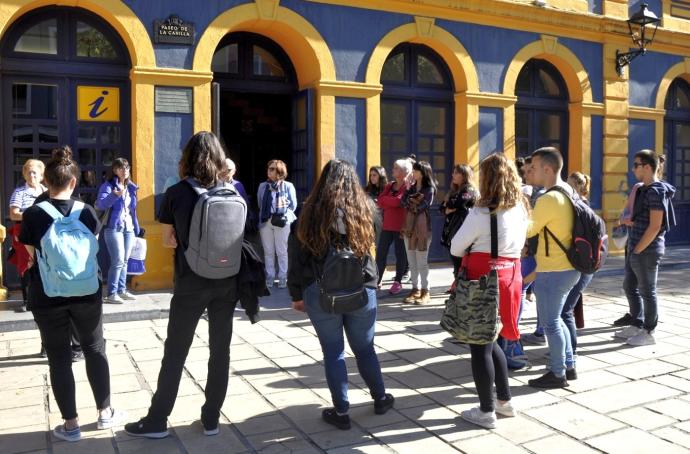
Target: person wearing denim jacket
pixel 119 195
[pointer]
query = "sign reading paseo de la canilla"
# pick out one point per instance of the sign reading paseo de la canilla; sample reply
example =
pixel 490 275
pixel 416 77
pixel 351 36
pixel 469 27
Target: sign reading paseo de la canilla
pixel 173 30
pixel 98 103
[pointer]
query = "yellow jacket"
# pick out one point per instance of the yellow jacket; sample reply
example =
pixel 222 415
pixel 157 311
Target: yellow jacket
pixel 555 211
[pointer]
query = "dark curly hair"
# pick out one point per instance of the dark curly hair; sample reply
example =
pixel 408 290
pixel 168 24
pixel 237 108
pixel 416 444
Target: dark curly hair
pixel 338 189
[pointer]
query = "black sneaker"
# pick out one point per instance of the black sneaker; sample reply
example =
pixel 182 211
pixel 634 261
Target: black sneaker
pixel 625 320
pixel 342 422
pixel 145 428
pixel 571 374
pixel 210 427
pixel 381 406
pixel 548 381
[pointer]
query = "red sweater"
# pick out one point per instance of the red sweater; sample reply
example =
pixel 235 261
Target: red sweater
pixel 393 211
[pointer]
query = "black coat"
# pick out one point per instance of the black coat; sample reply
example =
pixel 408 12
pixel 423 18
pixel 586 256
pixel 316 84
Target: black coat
pixel 251 281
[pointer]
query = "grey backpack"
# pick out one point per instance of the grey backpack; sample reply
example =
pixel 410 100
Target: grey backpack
pixel 216 231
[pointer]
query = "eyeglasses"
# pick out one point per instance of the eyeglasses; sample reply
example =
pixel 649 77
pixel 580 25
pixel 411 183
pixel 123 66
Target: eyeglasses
pixel 637 164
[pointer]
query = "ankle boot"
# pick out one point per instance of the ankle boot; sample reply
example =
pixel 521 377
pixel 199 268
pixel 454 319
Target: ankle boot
pixel 424 297
pixel 412 297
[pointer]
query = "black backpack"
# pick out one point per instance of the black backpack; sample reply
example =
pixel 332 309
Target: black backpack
pixel 341 280
pixel 590 245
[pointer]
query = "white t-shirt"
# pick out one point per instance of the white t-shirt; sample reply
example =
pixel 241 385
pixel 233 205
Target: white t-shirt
pixel 476 232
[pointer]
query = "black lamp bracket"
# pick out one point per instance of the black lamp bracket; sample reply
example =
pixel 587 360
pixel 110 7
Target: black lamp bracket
pixel 624 58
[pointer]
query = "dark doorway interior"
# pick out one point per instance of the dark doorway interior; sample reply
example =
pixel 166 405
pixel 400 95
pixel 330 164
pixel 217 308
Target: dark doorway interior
pixel 255 128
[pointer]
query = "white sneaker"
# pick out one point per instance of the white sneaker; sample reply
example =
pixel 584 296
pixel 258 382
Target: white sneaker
pixel 117 418
pixel 113 299
pixel 506 409
pixel 127 296
pixel 478 417
pixel 269 283
pixel 643 338
pixel 628 332
pixel 282 283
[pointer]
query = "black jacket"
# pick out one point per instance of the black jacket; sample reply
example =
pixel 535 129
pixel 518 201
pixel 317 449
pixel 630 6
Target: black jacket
pixel 251 281
pixel 302 265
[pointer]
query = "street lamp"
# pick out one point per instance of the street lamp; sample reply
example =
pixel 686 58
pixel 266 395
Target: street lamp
pixel 640 26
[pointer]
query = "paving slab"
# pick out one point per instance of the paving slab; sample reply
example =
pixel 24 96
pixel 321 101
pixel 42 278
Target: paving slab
pixel 625 400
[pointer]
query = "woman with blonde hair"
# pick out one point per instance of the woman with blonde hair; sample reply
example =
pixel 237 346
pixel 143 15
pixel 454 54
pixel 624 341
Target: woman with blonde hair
pixel 22 198
pixel 500 195
pixel 336 214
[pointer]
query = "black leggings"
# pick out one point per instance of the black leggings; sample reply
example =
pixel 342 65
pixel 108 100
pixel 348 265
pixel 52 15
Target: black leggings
pixel 489 367
pixel 54 324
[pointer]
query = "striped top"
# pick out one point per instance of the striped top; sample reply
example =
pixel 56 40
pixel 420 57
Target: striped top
pixel 25 196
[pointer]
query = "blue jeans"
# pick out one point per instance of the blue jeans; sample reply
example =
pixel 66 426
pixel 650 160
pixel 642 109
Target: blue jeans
pixel 552 289
pixel 640 287
pixel 387 238
pixel 119 244
pixel 567 314
pixel 359 327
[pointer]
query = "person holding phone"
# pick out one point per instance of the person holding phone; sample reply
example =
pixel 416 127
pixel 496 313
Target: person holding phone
pixel 117 197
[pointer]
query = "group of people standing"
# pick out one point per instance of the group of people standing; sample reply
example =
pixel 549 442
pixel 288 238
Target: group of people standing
pixel 337 214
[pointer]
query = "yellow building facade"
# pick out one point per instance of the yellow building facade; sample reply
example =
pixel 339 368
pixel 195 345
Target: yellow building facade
pixel 367 81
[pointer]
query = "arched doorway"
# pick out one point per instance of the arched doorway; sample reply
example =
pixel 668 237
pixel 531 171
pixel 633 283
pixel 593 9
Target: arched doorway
pixel 541 111
pixel 417 117
pixel 65 80
pixel 258 113
pixel 677 150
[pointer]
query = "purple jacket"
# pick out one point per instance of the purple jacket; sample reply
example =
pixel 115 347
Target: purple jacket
pixel 107 199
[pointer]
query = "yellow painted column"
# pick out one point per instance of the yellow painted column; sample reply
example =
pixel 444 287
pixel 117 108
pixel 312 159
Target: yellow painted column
pixel 615 168
pixel 159 264
pixel 325 129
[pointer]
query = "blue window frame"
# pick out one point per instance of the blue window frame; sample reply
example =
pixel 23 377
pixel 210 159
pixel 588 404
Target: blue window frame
pixel 417 110
pixel 541 112
pixel 677 150
pixel 45 56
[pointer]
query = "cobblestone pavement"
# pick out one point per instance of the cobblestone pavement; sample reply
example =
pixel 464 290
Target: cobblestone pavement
pixel 627 400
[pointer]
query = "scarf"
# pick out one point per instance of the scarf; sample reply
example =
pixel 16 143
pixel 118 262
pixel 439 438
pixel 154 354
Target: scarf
pixel 281 200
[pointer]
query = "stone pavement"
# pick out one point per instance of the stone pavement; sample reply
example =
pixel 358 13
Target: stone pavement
pixel 627 400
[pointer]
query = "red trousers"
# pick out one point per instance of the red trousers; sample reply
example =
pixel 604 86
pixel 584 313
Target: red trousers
pixel 509 286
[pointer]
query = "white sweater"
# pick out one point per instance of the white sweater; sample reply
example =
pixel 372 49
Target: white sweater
pixel 476 232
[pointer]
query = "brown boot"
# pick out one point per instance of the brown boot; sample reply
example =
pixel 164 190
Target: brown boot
pixel 423 298
pixel 412 297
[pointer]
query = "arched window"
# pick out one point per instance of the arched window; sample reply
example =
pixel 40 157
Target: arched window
pixel 259 63
pixel 417 110
pixel 541 112
pixel 677 151
pixel 49 56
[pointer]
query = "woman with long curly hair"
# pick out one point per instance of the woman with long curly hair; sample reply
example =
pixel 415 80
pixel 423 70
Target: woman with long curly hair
pixel 500 193
pixel 336 214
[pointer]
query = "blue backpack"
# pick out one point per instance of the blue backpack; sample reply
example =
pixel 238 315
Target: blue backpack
pixel 67 259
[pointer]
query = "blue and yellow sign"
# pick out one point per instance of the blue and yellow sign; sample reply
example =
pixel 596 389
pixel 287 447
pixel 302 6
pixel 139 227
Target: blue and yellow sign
pixel 98 103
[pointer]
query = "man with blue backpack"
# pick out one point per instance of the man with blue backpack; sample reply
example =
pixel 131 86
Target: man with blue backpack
pixel 65 290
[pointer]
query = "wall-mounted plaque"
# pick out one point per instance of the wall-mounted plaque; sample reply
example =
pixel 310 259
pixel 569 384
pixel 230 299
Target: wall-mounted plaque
pixel 173 99
pixel 173 30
